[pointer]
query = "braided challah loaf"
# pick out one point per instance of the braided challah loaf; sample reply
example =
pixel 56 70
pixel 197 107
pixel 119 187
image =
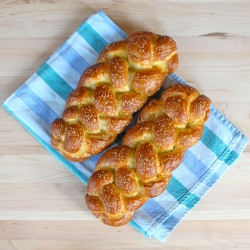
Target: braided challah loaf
pixel 128 175
pixel 108 93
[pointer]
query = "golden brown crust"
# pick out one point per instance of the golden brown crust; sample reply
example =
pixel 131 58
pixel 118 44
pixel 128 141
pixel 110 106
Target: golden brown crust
pixel 180 90
pixel 89 118
pixel 177 109
pixel 133 203
pixel 115 221
pixel 110 196
pixel 79 95
pixel 118 72
pixel 92 75
pixel 131 102
pixel 198 107
pixel 117 125
pixel 104 100
pixel 164 46
pixel 172 64
pixel 155 188
pixel 148 80
pixel 98 179
pixel 170 160
pixel 115 157
pixel 139 51
pixel 137 134
pixel 142 167
pixel 97 142
pixel 58 127
pixel 94 203
pixel 146 161
pixel 126 181
pixel 125 75
pixel 115 49
pixel 152 110
pixel 73 138
pixel 164 132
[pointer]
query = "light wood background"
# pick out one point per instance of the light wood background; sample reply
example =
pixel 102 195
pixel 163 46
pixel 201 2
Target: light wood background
pixel 42 203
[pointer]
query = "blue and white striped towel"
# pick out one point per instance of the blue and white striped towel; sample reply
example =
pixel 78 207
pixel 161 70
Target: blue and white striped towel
pixel 42 97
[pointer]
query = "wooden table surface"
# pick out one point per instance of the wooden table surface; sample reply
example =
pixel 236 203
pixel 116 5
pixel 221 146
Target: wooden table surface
pixel 42 203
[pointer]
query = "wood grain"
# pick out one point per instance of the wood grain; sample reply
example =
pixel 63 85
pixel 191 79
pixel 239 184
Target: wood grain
pixel 42 202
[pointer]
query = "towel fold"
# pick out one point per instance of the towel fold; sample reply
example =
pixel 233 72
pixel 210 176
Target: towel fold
pixel 42 98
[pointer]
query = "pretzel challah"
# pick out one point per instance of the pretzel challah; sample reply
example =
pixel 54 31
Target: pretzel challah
pixel 128 175
pixel 109 92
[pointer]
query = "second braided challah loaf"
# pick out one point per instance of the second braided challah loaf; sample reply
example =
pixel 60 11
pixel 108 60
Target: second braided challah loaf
pixel 128 175
pixel 109 92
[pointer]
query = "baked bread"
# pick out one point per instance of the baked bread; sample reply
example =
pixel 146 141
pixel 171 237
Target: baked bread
pixel 128 175
pixel 109 92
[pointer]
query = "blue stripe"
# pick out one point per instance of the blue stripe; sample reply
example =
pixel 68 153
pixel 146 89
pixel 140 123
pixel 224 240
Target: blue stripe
pixel 137 227
pixel 210 181
pixel 72 58
pixel 36 104
pixel 92 37
pixel 61 87
pixel 69 165
pixel 154 209
pixel 191 201
pixel 170 222
pixel 229 157
pixel 95 158
pixel 222 119
pixel 213 142
pixel 112 24
pixel 218 147
pixel 193 164
pixel 177 190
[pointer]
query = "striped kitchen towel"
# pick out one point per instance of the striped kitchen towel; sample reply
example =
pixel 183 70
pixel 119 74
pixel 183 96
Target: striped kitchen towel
pixel 42 97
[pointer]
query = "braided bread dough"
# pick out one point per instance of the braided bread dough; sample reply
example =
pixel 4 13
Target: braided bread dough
pixel 128 175
pixel 109 92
